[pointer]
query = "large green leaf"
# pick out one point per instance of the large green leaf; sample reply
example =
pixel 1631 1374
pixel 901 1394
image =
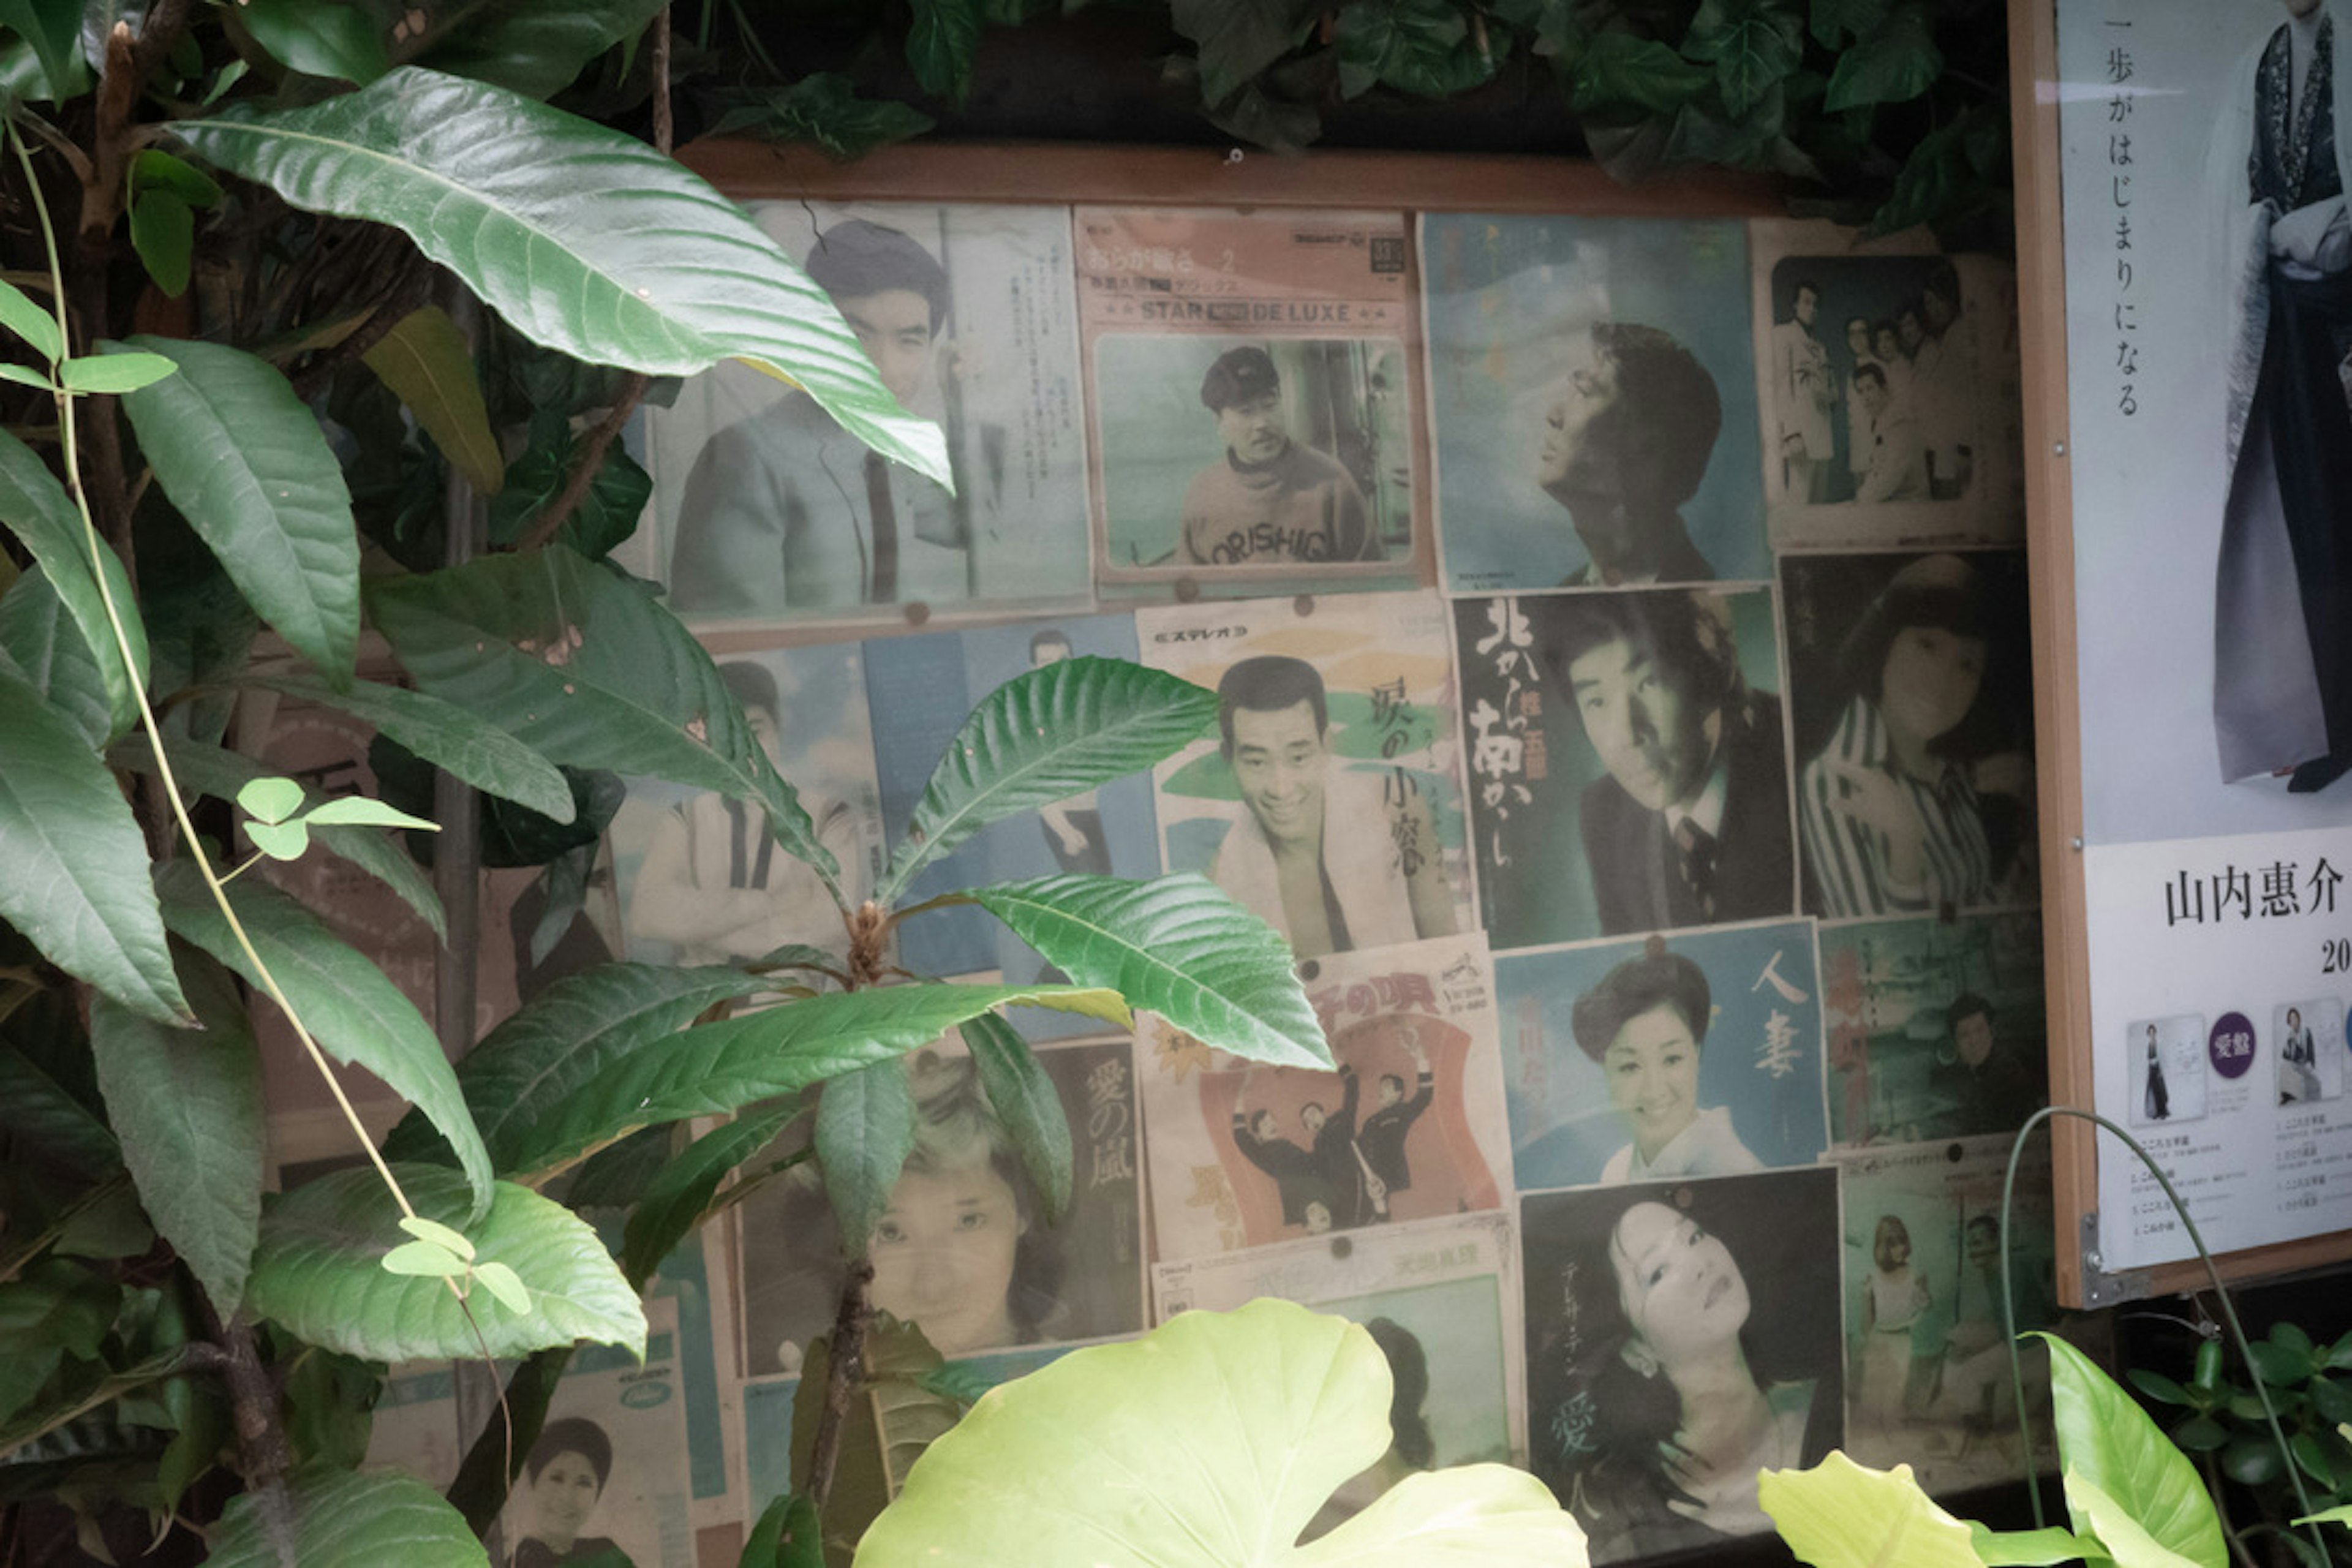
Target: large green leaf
pixel 1237 38
pixel 348 1519
pixel 246 463
pixel 38 633
pixel 581 666
pixel 1753 44
pixel 941 42
pixel 35 506
pixel 535 46
pixel 1211 1441
pixel 320 1271
pixel 42 1117
pixel 2044 1548
pixel 1023 1095
pixel 452 738
pixel 1840 1514
pixel 1418 46
pixel 675 1198
pixel 1894 62
pixel 1045 736
pixel 2108 1440
pixel 822 108
pixel 865 1131
pixel 356 1014
pixel 1622 71
pixel 429 366
pixel 563 1038
pixel 584 240
pixel 713 1069
pixel 317 37
pixel 187 1104
pixel 2121 1538
pixel 1178 946
pixel 49 27
pixel 73 866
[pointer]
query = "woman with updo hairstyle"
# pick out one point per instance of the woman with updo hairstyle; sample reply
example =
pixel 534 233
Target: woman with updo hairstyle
pixel 1917 802
pixel 1643 1026
pixel 1669 1362
pixel 564 1476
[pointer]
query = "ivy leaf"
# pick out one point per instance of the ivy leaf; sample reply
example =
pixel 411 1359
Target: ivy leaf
pixel 584 240
pixel 429 366
pixel 320 1271
pixel 1418 46
pixel 824 110
pixel 317 37
pixel 243 461
pixel 343 1519
pixel 76 882
pixel 940 43
pixel 1753 44
pixel 1619 71
pixel 1179 946
pixel 607 513
pixel 865 1131
pixel 1894 63
pixel 35 506
pixel 1026 1103
pixel 1835 20
pixel 1238 38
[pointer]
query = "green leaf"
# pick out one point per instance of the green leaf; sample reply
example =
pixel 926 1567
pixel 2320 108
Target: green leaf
pixel 865 1131
pixel 76 882
pixel 2106 1440
pixel 44 1118
pixel 2291 1338
pixel 581 667
pixel 29 322
pixel 447 1237
pixel 2331 1400
pixel 23 377
pixel 506 1284
pixel 187 1104
pixel 36 508
pixel 243 461
pixel 1179 946
pixel 585 240
pixel 2121 1535
pixel 279 840
pixel 164 232
pixel 154 169
pixel 787 1535
pixel 1244 1423
pixel 1619 71
pixel 2045 1548
pixel 347 1519
pixel 1754 45
pixel 356 1013
pixel 271 799
pixel 2340 1514
pixel 822 110
pixel 358 810
pixel 50 26
pixel 1044 736
pixel 316 38
pixel 675 1198
pixel 715 1068
pixel 940 43
pixel 2252 1461
pixel 1894 63
pixel 1417 46
pixel 561 1039
pixel 2276 1364
pixel 424 1260
pixel 2312 1460
pixel 2201 1434
pixel 1835 20
pixel 1237 38
pixel 320 1271
pixel 451 737
pixel 2159 1387
pixel 38 634
pixel 429 366
pixel 607 514
pixel 111 374
pixel 1840 1514
pixel 537 48
pixel 1027 1105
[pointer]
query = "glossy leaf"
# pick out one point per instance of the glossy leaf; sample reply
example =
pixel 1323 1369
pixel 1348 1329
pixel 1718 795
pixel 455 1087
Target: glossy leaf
pixel 2340 1514
pixel 187 1104
pixel 2276 1364
pixel 358 811
pixel 29 320
pixel 865 1131
pixel 1840 1514
pixel 246 463
pixel 2122 1536
pixel 786 1535
pixel 429 366
pixel 1754 45
pixel 1179 946
pixel 584 240
pixel 535 46
pixel 941 39
pixel 50 27
pixel 606 514
pixel 424 1260
pixel 38 635
pixel 822 110
pixel 1892 63
pixel 1212 1440
pixel 675 1198
pixel 1237 38
pixel 43 1117
pixel 76 882
pixel 348 1518
pixel 713 1069
pixel 2157 1386
pixel 1417 46
pixel 581 666
pixel 1621 70
pixel 35 506
pixel 2106 1440
pixel 355 1012
pixel 320 1271
pixel 1026 1104
pixel 1833 21
pixel 154 169
pixel 2044 1548
pixel 270 799
pixel 563 1038
pixel 113 374
pixel 1045 736
pixel 317 38
pixel 164 232
pixel 451 737
pixel 447 1237
pixel 2252 1461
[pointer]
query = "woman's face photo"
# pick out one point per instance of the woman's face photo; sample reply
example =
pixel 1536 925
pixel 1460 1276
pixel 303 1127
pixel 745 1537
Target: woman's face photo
pixel 1889 345
pixel 1930 680
pixel 1652 1068
pixel 1683 1295
pixel 565 1494
pixel 2294 1019
pixel 1590 391
pixel 943 1256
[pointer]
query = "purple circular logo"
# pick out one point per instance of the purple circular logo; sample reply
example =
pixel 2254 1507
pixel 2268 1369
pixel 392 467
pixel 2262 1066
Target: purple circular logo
pixel 2232 1046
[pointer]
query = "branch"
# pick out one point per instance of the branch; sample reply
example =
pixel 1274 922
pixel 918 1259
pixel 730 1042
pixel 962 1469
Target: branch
pixel 411 288
pixel 845 1370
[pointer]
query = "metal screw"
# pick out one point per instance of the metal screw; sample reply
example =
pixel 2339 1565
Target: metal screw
pixel 2057 448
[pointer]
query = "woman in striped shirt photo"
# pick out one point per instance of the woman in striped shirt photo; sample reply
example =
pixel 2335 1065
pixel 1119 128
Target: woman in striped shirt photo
pixel 1893 808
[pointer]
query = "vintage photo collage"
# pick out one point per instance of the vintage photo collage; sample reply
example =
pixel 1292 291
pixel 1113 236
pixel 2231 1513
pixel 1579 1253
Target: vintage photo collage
pixel 1620 645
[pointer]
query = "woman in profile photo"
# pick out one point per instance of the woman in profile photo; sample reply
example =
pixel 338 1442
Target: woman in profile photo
pixel 564 1477
pixel 1644 1025
pixel 1894 808
pixel 1658 1393
pixel 2156 1102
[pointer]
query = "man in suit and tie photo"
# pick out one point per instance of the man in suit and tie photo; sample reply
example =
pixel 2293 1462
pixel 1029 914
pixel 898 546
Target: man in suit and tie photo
pixel 1690 826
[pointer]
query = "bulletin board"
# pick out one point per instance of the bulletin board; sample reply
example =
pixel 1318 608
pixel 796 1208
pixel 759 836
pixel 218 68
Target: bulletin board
pixel 2193 692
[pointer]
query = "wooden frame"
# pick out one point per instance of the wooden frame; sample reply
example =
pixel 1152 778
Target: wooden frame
pixel 2082 1281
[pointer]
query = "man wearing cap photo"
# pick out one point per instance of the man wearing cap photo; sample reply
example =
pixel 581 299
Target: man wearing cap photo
pixel 1269 499
pixel 784 508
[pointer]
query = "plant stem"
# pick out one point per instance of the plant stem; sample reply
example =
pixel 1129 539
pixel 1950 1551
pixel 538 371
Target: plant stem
pixel 845 1370
pixel 2237 1542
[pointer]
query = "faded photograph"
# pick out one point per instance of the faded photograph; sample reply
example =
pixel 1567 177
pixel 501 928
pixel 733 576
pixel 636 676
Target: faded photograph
pixel 2165 1060
pixel 2310 1050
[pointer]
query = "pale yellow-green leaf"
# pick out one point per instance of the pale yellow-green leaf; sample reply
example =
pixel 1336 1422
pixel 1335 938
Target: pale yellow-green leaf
pixel 1840 1514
